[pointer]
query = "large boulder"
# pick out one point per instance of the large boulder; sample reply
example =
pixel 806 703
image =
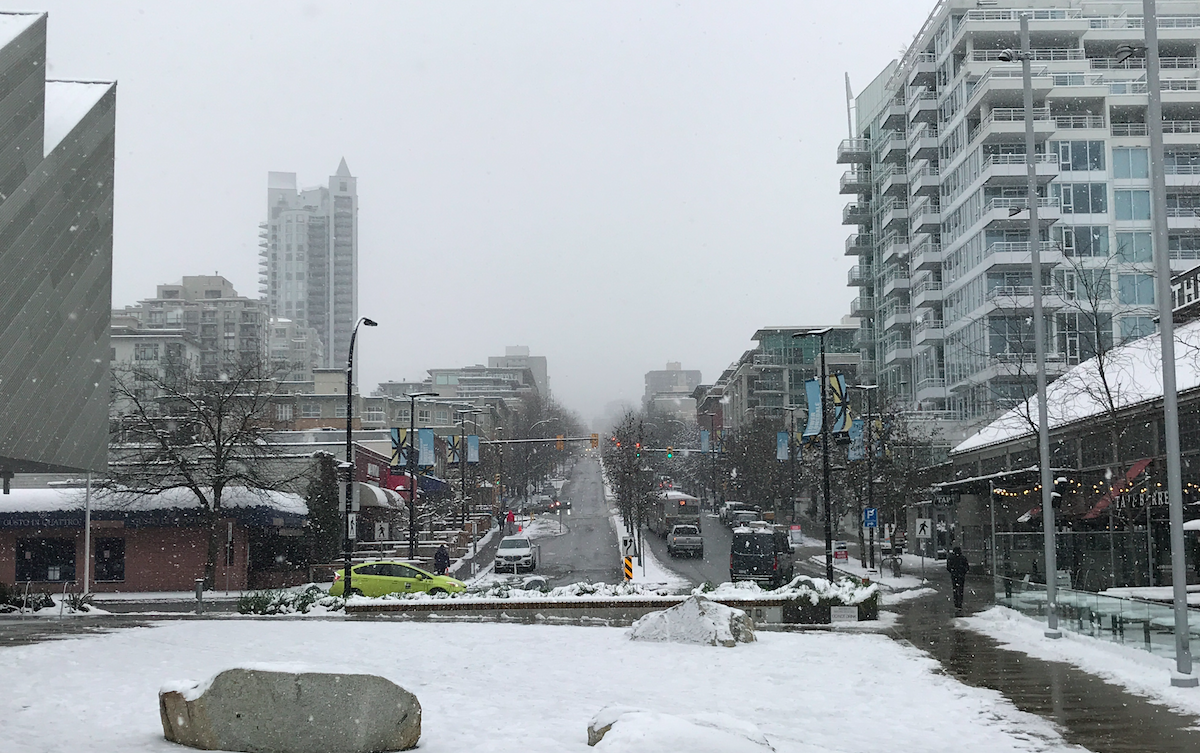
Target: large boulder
pixel 266 711
pixel 620 729
pixel 697 620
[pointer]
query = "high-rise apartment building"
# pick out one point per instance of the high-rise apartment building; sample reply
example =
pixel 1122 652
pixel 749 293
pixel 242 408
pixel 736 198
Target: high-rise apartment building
pixel 517 357
pixel 308 262
pixel 938 169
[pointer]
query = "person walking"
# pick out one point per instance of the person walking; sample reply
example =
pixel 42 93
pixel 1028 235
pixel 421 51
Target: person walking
pixel 441 560
pixel 510 519
pixel 957 565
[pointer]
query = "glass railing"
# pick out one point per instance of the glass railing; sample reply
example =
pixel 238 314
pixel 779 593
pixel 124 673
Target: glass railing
pixel 1142 624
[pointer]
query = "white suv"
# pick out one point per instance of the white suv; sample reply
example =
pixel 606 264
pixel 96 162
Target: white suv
pixel 514 554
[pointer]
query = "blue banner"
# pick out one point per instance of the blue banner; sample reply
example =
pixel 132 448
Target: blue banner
pixel 472 448
pixel 425 448
pixel 782 451
pixel 857 451
pixel 837 398
pixel 703 440
pixel 399 448
pixel 812 389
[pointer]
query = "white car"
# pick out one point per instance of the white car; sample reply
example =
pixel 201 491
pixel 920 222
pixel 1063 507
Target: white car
pixel 516 553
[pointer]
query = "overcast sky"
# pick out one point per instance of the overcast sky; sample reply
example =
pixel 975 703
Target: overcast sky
pixel 615 185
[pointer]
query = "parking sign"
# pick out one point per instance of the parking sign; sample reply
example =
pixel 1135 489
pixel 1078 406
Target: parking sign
pixel 871 517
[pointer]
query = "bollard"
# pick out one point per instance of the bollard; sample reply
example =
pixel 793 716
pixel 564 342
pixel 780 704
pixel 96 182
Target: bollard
pixel 199 595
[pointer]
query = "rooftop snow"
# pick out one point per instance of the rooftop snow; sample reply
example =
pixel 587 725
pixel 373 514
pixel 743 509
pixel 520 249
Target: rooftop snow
pixel 12 24
pixel 67 102
pixel 62 499
pixel 1133 371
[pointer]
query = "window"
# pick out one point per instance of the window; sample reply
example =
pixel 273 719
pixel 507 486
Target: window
pixel 1132 205
pixel 283 412
pixel 339 411
pixel 212 294
pixel 1081 198
pixel 1009 334
pixel 310 410
pixel 402 414
pixel 145 352
pixel 423 415
pixel 1082 336
pixel 1135 247
pixel 46 559
pixel 1135 289
pixel 1079 155
pixel 1133 327
pixel 1130 164
pixel 1090 285
pixel 375 415
pixel 110 560
pixel 442 416
pixel 1083 240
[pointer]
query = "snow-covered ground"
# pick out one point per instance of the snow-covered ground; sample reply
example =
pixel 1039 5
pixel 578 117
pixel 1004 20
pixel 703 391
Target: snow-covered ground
pixel 649 571
pixel 1137 671
pixel 525 688
pixel 883 577
pixel 1155 593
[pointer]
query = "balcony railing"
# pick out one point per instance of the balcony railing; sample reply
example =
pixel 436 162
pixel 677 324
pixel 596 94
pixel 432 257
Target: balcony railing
pixel 1016 291
pixel 1068 122
pixel 1183 212
pixel 1017 247
pixel 860 240
pixel 1020 203
pixel 1129 129
pixel 1172 169
pixel 1181 126
pixel 926 285
pixel 1136 22
pixel 1137 63
pixel 1017 159
pixel 1039 54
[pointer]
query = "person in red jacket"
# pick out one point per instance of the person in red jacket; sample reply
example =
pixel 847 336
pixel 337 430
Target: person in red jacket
pixel 509 519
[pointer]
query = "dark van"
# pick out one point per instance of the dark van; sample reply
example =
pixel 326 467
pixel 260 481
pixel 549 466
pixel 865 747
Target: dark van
pixel 761 555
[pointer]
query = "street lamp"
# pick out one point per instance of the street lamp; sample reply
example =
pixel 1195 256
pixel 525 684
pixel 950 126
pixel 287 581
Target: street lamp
pixel 712 452
pixel 462 455
pixel 411 465
pixel 1039 330
pixel 820 334
pixel 792 449
pixel 870 451
pixel 351 527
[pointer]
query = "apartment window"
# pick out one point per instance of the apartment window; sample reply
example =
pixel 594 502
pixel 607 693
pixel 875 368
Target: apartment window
pixel 283 412
pixel 145 352
pixel 1009 335
pixel 375 415
pixel 1130 164
pixel 1136 289
pixel 1132 205
pixel 1083 240
pixel 1082 336
pixel 1079 155
pixel 1135 247
pixel 212 294
pixel 1081 198
pixel 442 416
pixel 310 410
pixel 402 414
pixel 339 411
pixel 1091 285
pixel 46 559
pixel 110 560
pixel 423 415
pixel 1132 327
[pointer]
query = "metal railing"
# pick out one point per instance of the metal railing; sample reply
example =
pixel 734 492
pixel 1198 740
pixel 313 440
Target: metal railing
pixel 1017 159
pixel 1039 54
pixel 1129 129
pixel 1016 247
pixel 1137 63
pixel 1000 202
pixel 924 324
pixel 1015 291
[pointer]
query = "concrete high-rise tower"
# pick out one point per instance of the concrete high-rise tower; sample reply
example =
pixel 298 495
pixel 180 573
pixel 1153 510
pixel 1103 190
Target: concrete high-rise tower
pixel 308 266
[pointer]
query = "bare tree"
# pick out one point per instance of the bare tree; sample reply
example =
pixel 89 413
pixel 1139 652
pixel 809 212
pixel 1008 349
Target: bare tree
pixel 182 428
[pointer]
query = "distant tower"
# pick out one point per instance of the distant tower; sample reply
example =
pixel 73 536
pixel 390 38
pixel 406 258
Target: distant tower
pixel 308 263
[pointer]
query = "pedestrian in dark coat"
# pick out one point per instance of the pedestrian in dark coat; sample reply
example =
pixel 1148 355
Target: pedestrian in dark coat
pixel 957 565
pixel 441 560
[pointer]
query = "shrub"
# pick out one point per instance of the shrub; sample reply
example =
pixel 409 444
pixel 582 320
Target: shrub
pixel 276 601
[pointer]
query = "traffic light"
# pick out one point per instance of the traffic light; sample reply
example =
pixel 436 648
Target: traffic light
pixel 670 452
pixel 595 441
pixel 637 449
pixel 558 442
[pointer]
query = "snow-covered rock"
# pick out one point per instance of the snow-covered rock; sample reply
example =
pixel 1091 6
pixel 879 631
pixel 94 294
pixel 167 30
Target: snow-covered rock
pixel 697 620
pixel 621 729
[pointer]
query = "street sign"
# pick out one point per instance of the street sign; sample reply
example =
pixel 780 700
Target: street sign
pixel 871 517
pixel 841 554
pixel 843 614
pixel 627 546
pixel 352 527
pixel 924 528
pixel 797 534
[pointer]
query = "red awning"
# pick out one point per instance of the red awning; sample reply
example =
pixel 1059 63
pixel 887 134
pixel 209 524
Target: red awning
pixel 1120 487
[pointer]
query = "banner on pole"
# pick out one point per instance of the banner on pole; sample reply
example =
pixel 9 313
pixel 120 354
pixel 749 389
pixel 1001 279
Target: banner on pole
pixel 399 448
pixel 703 440
pixel 453 449
pixel 857 450
pixel 472 448
pixel 781 446
pixel 425 448
pixel 812 390
pixel 841 406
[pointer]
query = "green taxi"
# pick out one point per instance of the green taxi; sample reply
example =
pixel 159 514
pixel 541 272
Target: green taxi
pixel 381 577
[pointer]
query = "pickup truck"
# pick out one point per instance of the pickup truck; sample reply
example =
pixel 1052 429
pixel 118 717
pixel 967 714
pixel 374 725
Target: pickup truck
pixel 685 539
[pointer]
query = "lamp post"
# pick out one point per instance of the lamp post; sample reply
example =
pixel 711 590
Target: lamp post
pixel 351 532
pixel 1039 330
pixel 1183 676
pixel 712 453
pixel 792 448
pixel 820 335
pixel 411 465
pixel 462 455
pixel 870 452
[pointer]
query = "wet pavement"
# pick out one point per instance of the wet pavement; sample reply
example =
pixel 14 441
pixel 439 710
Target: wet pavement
pixel 588 551
pixel 1089 712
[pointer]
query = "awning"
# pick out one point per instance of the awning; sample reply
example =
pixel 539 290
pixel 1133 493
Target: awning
pixel 1192 525
pixel 1120 487
pixel 370 495
pixel 433 484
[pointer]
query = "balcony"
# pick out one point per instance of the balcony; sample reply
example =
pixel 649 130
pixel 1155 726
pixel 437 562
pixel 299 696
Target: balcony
pixel 890 147
pixel 1007 124
pixel 1016 254
pixel 896 349
pixel 928 219
pixel 923 142
pixel 896 280
pixel 856 214
pixel 924 70
pixel 893 245
pixel 925 182
pixel 1000 211
pixel 1011 169
pixel 895 114
pixel 927 293
pixel 1080 123
pixel 863 305
pixel 931 389
pixel 859 243
pixel 858 276
pixel 892 213
pixel 926 330
pixel 1039 55
pixel 1021 297
pixel 1182 176
pixel 1130 129
pixel 1137 63
pixel 1183 218
pixel 855 181
pixel 923 107
pixel 854 152
pixel 891 181
pixel 926 256
pixel 899 315
pixel 865 338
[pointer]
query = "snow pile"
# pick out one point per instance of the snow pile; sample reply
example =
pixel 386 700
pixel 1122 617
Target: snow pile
pixel 697 620
pixel 901 596
pixel 544 526
pixel 1130 667
pixel 846 591
pixel 312 600
pixel 620 729
pixel 526 591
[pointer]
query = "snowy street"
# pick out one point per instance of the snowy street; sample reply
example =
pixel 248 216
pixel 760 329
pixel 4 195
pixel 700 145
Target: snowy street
pixel 804 691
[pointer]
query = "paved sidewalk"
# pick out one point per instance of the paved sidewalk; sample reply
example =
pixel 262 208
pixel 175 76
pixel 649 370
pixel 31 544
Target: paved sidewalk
pixel 1089 712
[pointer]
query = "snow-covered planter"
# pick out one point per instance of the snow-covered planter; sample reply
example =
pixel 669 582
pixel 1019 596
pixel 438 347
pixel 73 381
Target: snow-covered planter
pixel 809 599
pixel 311 599
pixel 621 729
pixel 697 620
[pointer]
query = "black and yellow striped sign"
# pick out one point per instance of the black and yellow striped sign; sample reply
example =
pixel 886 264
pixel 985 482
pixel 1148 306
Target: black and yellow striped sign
pixel 629 568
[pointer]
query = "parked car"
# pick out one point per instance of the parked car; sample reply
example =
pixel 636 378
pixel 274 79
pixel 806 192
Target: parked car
pixel 514 554
pixel 742 517
pixel 685 539
pixel 762 555
pixel 388 577
pixel 728 509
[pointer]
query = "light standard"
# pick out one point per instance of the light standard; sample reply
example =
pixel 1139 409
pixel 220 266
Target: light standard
pixel 351 532
pixel 820 334
pixel 712 452
pixel 1183 676
pixel 528 450
pixel 462 455
pixel 792 448
pixel 1039 330
pixel 411 464
pixel 870 450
